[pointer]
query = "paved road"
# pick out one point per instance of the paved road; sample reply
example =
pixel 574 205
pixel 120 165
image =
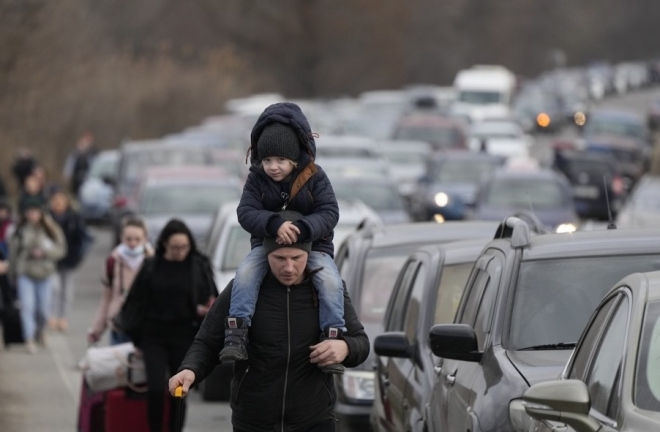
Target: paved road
pixel 40 392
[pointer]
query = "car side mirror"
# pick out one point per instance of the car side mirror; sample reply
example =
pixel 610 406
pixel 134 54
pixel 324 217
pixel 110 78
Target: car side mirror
pixel 455 341
pixel 566 401
pixel 393 344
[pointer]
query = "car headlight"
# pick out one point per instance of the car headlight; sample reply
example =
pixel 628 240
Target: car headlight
pixel 441 199
pixel 359 385
pixel 566 228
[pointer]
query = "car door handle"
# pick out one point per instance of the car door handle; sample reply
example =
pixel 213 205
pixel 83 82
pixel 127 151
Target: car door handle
pixel 450 379
pixel 437 369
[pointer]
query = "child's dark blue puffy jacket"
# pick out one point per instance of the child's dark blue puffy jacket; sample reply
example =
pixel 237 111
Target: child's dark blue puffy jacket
pixel 309 192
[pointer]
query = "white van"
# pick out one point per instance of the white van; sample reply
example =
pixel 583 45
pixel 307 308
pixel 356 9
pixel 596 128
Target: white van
pixel 484 92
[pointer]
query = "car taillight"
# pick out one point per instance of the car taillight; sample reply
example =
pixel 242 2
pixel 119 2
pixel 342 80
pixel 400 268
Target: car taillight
pixel 120 202
pixel 617 185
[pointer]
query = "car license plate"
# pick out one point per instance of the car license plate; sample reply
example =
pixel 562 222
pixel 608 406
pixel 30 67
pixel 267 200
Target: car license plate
pixel 590 192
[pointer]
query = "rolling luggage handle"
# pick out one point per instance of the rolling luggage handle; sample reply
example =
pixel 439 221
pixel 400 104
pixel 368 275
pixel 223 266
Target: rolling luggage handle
pixel 178 409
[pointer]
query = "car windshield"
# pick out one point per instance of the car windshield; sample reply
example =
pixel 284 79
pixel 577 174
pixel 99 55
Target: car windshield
pixel 104 167
pixel 606 126
pixel 647 376
pixel 135 162
pixel 189 198
pixel 621 154
pixel 519 193
pixel 378 196
pixel 480 97
pixel 463 171
pixel 595 170
pixel 496 131
pixel 381 269
pixel 403 157
pixel 554 298
pixel 236 248
pixel 444 137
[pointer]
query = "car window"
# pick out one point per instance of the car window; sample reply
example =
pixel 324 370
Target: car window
pixel 586 348
pixel 474 297
pixel 236 248
pixel 398 302
pixel 605 369
pixel 647 376
pixel 378 196
pixel 525 193
pixel 452 284
pixel 414 303
pixel 485 311
pixel 571 288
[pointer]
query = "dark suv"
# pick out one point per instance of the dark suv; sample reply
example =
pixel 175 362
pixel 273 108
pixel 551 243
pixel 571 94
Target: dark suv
pixel 369 262
pixel 523 309
pixel 428 291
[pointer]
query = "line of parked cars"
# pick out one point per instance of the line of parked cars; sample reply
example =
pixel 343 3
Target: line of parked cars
pixel 481 312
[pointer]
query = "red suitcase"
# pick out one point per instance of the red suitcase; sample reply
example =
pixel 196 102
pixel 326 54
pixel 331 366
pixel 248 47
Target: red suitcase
pixel 126 411
pixel 91 413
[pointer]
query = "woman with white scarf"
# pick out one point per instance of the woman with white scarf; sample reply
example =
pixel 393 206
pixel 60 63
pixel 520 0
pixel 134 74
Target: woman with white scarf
pixel 122 266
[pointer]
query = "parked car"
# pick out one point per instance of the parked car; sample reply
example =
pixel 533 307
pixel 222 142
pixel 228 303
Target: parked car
pixel 654 115
pixel 407 160
pixel 369 262
pixel 449 187
pixel 354 167
pixel 500 138
pixel 642 207
pixel 381 195
pixel 137 156
pixel 526 302
pixel 543 192
pixel 598 189
pixel 427 292
pixel 633 159
pixel 96 191
pixel 189 193
pixel 539 111
pixel 622 124
pixel 610 384
pixel 442 133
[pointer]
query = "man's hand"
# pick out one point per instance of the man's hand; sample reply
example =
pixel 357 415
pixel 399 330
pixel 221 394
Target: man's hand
pixel 329 352
pixel 4 267
pixel 288 233
pixel 184 379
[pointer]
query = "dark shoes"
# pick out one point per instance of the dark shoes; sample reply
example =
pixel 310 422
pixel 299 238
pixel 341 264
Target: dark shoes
pixel 332 333
pixel 236 332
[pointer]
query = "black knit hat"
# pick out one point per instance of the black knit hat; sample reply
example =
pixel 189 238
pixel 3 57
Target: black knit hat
pixel 270 245
pixel 278 140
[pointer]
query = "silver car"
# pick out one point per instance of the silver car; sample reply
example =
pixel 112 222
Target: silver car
pixel 96 191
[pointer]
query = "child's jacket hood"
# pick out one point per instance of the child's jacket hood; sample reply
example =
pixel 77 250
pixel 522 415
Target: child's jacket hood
pixel 289 114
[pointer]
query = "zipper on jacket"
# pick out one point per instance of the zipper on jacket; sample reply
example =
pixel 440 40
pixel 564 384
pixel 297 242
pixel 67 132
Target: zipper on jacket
pixel 288 352
pixel 240 383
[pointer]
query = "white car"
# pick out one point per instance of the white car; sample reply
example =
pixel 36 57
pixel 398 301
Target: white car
pixel 500 137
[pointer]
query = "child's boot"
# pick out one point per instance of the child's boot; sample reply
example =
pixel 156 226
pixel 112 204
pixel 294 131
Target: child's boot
pixel 236 332
pixel 332 333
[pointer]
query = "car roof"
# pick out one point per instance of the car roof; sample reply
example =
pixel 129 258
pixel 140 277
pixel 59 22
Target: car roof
pixel 467 155
pixel 428 119
pixel 458 252
pixel 405 145
pixel 424 232
pixel 592 243
pixel 540 174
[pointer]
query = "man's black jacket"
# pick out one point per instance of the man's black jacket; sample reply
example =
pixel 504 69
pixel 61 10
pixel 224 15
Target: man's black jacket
pixel 277 388
pixel 309 192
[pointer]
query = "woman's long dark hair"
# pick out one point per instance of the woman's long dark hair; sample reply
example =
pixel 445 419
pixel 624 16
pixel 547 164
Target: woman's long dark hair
pixel 174 226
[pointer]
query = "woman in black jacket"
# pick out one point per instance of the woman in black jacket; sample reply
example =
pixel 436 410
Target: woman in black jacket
pixel 168 298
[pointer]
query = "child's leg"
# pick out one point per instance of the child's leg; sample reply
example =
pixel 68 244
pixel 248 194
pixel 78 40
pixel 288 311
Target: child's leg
pixel 330 288
pixel 245 290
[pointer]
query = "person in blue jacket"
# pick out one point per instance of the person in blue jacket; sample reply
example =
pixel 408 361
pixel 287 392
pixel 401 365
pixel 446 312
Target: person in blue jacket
pixel 283 176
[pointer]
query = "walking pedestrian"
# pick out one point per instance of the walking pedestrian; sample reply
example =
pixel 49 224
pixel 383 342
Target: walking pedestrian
pixel 78 241
pixel 35 248
pixel 6 223
pixel 169 297
pixel 32 190
pixel 23 166
pixel 280 386
pixel 121 267
pixel 79 161
pixel 283 175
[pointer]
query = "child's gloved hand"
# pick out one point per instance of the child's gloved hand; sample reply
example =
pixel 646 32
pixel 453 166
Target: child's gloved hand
pixel 287 234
